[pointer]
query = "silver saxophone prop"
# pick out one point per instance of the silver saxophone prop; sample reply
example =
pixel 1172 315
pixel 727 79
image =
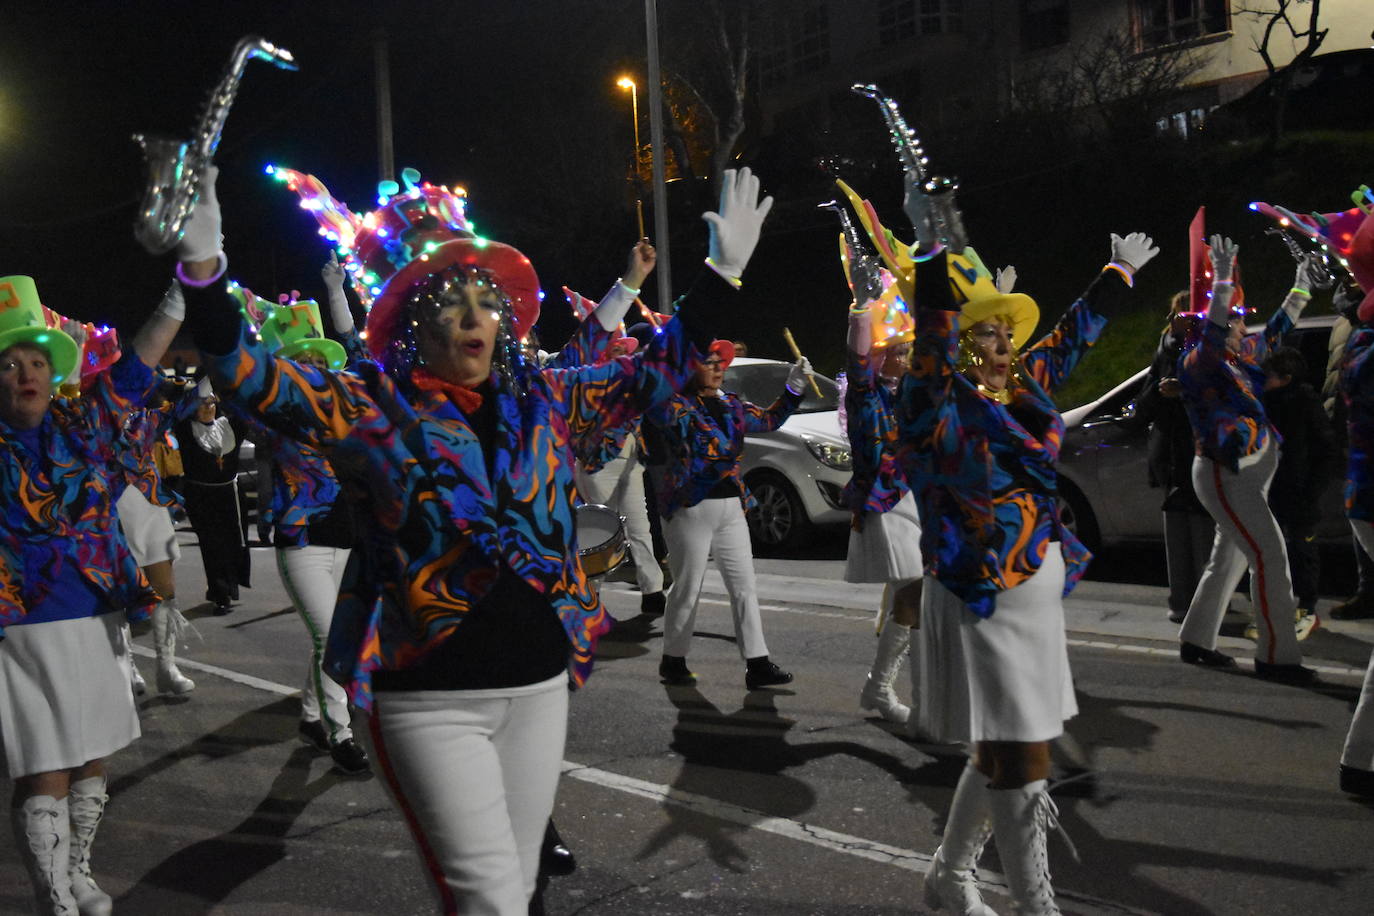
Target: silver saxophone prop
pixel 1329 270
pixel 945 216
pixel 176 167
pixel 864 278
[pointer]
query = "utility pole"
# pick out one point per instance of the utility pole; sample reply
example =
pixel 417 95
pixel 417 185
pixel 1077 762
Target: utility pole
pixel 386 153
pixel 665 274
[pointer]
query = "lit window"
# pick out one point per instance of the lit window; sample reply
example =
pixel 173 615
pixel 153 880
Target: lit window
pixel 1164 22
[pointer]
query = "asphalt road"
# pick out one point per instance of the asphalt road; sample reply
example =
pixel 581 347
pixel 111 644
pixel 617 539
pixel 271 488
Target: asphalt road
pixel 1195 791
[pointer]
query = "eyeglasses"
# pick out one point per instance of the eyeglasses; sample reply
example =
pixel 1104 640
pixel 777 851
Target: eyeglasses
pixel 713 363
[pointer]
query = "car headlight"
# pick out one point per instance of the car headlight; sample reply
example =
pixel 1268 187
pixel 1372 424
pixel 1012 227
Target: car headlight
pixel 832 456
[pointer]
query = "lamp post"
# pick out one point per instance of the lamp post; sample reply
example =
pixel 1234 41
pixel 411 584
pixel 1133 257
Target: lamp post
pixel 626 83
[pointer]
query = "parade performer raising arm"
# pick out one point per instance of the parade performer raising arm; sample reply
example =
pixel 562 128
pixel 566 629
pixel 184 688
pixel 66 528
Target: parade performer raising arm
pixel 67 578
pixel 980 438
pixel 1237 452
pixel 464 611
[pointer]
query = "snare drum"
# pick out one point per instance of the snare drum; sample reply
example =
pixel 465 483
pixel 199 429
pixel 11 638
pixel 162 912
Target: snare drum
pixel 601 542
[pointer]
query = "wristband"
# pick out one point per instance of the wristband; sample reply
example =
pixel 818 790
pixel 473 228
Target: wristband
pixel 733 281
pixel 1126 275
pixel 1298 290
pixel 1220 282
pixel 628 288
pixel 220 268
pixel 921 257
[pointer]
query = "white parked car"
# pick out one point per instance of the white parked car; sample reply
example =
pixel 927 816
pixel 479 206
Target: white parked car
pixel 798 471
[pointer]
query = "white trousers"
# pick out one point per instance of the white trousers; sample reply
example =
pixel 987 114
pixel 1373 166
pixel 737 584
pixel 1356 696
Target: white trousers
pixel 1359 741
pixel 474 773
pixel 1247 535
pixel 312 576
pixel 712 528
pixel 620 486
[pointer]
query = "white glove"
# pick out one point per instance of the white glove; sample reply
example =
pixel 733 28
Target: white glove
pixel 200 237
pixel 1310 273
pixel 799 376
pixel 736 227
pixel 332 273
pixel 1006 279
pixel 1223 253
pixel 1133 252
pixel 860 338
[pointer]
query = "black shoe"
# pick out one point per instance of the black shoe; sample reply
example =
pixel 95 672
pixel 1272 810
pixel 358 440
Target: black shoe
pixel 1285 674
pixel 1194 654
pixel 673 670
pixel 1357 608
pixel 760 672
pixel 313 734
pixel 653 604
pixel 222 607
pixel 349 758
pixel 554 857
pixel 1357 781
pixel 1177 616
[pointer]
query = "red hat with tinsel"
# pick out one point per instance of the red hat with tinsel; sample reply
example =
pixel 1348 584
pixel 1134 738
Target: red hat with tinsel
pixel 415 233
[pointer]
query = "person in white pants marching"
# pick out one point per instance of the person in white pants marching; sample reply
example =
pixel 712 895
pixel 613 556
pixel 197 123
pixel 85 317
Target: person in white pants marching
pixel 1237 455
pixel 702 501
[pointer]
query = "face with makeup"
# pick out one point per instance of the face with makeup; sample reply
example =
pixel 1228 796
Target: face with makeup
pixel 989 343
pixel 895 360
pixel 710 374
pixel 456 336
pixel 25 385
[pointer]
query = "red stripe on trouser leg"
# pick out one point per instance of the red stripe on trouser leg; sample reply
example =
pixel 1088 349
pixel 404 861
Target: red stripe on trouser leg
pixel 427 856
pixel 1256 567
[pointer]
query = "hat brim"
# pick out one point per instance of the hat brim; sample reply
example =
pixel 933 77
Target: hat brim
pixel 1019 307
pixel 724 349
pixel 63 353
pixel 513 272
pixel 331 350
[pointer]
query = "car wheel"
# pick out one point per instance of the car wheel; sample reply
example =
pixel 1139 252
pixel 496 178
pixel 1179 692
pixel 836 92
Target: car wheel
pixel 779 521
pixel 1077 516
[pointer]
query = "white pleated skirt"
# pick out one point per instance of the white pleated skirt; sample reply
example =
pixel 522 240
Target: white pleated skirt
pixel 888 546
pixel 1001 678
pixel 65 697
pixel 147 528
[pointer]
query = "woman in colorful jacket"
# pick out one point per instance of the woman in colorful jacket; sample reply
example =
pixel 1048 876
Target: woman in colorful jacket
pixel 980 439
pixel 314 523
pixel 885 536
pixel 1237 452
pixel 1357 388
pixel 464 611
pixel 67 581
pixel 702 501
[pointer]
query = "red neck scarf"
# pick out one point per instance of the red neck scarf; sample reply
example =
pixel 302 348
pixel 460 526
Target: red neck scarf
pixel 466 398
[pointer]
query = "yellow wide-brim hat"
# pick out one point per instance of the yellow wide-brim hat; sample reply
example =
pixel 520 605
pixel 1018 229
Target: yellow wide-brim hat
pixel 22 321
pixel 979 299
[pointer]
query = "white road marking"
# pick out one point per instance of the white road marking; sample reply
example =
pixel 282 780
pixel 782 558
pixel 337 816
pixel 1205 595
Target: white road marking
pixel 237 677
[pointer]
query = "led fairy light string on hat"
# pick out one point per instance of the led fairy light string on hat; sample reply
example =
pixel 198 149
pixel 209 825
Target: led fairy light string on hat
pixel 1332 234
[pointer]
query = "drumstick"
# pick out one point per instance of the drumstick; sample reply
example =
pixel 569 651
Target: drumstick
pixel 797 354
pixel 639 211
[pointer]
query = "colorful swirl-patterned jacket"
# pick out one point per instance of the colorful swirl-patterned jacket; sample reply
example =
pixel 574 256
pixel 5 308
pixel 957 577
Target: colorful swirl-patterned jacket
pixel 304 487
pixel 984 473
pixel 440 526
pixel 1222 391
pixel 1357 387
pixel 59 507
pixel 877 483
pixel 701 453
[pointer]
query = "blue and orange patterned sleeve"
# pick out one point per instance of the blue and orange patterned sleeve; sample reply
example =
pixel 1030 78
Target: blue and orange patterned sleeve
pixel 766 419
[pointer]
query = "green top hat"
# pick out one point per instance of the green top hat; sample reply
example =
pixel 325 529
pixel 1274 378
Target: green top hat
pixel 22 322
pixel 292 329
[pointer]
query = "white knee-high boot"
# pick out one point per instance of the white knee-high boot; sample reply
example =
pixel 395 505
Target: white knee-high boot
pixel 951 880
pixel 86 805
pixel 167 626
pixel 878 693
pixel 43 837
pixel 1021 819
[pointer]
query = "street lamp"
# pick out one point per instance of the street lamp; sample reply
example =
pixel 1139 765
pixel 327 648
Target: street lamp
pixel 626 83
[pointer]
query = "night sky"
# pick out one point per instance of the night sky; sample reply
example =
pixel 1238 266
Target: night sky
pixel 514 100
